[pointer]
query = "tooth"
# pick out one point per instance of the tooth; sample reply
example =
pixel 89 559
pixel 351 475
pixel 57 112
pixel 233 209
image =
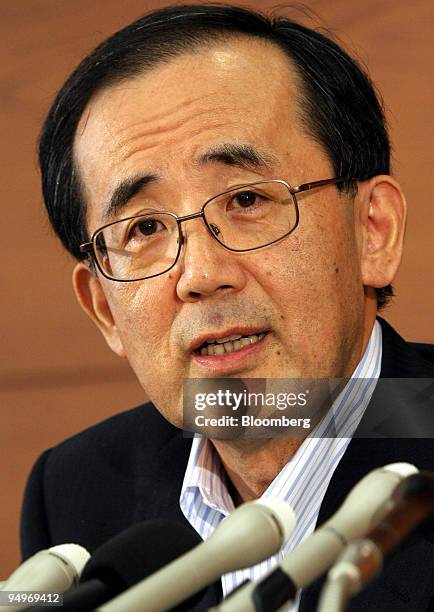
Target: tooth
pixel 229 338
pixel 229 344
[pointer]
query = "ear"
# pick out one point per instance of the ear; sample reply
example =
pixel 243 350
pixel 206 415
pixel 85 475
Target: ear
pixel 383 213
pixel 92 299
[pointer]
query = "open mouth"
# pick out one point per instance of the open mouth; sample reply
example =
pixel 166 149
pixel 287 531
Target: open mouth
pixel 228 344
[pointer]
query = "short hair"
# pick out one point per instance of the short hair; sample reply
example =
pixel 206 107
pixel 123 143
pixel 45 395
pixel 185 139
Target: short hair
pixel 340 109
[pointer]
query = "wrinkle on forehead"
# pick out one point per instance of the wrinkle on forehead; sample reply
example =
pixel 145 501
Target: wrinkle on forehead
pixel 184 105
pixel 239 93
pixel 176 132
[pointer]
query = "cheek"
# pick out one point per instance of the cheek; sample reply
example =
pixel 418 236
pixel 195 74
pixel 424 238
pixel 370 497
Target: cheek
pixel 314 275
pixel 312 260
pixel 328 251
pixel 144 313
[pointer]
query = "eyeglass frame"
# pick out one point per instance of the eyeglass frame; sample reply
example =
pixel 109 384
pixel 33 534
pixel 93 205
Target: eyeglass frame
pixel 89 248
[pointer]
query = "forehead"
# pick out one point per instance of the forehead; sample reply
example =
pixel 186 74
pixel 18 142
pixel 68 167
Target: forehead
pixel 162 122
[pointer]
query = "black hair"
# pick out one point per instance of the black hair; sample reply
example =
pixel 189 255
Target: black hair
pixel 340 108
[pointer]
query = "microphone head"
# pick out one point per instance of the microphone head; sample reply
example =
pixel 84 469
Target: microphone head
pixel 282 513
pixel 260 528
pixel 401 469
pixel 74 555
pixel 139 551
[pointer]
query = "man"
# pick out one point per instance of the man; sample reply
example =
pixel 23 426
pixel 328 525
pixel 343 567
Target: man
pixel 223 180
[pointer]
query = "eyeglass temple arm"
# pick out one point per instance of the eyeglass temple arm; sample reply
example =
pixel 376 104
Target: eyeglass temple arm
pixel 87 247
pixel 307 186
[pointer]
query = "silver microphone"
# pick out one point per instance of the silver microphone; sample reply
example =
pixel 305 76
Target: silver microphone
pixel 53 570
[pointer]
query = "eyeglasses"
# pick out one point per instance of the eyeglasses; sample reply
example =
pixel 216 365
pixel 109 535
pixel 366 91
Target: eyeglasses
pixel 244 218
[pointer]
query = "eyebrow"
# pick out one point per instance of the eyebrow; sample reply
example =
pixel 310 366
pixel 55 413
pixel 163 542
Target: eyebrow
pixel 124 192
pixel 241 156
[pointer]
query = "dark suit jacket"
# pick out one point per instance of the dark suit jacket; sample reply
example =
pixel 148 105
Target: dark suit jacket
pixel 130 468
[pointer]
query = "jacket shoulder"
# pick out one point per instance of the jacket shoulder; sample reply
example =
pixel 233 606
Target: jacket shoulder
pixel 403 359
pixel 123 470
pixel 119 434
pixel 425 351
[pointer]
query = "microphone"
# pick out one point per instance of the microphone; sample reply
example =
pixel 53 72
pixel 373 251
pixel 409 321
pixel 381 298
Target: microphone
pixel 363 507
pixel 55 569
pixel 363 559
pixel 253 532
pixel 127 558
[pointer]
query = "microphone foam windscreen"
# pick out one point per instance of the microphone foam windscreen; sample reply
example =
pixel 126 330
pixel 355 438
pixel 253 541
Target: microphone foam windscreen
pixel 139 551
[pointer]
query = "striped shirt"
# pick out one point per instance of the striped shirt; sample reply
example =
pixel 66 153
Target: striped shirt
pixel 302 482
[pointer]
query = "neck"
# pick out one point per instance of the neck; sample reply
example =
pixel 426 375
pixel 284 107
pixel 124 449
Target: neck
pixel 252 465
pixel 370 312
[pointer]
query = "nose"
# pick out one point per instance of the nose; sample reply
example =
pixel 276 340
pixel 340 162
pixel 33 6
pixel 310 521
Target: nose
pixel 206 268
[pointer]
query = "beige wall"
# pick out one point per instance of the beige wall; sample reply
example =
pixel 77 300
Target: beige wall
pixel 56 375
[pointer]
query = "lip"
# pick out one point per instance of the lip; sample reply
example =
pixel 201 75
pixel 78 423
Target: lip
pixel 218 335
pixel 228 362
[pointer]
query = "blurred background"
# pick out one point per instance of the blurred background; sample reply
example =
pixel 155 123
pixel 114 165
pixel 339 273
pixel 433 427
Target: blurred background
pixel 57 375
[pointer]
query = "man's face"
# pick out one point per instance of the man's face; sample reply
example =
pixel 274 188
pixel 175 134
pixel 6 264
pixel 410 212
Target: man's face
pixel 304 292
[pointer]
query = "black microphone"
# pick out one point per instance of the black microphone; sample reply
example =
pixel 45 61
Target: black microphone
pixel 127 558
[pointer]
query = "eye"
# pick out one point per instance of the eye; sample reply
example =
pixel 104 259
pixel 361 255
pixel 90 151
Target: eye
pixel 245 199
pixel 248 202
pixel 145 227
